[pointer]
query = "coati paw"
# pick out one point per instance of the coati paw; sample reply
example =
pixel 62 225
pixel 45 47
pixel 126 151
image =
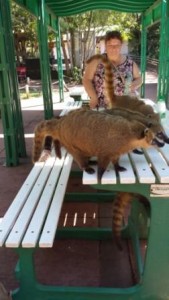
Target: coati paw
pixel 44 155
pixel 89 170
pixel 119 168
pixel 137 151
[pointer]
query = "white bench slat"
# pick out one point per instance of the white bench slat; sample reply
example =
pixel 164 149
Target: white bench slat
pixel 35 226
pixel 165 151
pixel 109 176
pixel 18 202
pixel 90 178
pixel 159 165
pixel 70 106
pixel 21 223
pixel 49 230
pixel 142 168
pixel 127 176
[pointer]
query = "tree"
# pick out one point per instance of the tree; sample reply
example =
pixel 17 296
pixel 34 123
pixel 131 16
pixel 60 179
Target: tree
pixel 93 23
pixel 25 32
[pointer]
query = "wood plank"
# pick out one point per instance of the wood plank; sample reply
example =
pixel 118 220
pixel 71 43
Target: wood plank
pixel 18 230
pixel 164 152
pixel 142 168
pixel 159 165
pixel 90 178
pixel 109 176
pixel 49 230
pixel 32 234
pixel 18 202
pixel 127 176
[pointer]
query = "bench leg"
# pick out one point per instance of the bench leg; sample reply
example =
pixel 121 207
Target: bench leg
pixel 156 270
pixel 26 275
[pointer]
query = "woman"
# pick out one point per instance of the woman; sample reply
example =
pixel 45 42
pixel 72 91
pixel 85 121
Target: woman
pixel 126 74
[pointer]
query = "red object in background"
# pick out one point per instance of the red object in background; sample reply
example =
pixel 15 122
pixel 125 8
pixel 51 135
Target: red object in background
pixel 21 71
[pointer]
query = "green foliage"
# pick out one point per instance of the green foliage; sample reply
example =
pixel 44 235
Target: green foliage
pixel 153 38
pixel 77 75
pixel 25 31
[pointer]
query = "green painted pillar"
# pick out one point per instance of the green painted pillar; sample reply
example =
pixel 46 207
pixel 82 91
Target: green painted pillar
pixel 163 53
pixel 59 60
pixel 44 61
pixel 166 87
pixel 143 55
pixel 9 92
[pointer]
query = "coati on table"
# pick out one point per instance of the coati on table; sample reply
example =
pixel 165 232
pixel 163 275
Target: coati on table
pixel 82 133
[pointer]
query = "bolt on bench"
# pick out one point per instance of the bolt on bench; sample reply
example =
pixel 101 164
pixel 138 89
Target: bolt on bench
pixel 32 219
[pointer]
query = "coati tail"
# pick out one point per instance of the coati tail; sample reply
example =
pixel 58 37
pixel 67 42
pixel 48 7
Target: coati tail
pixel 122 200
pixel 108 76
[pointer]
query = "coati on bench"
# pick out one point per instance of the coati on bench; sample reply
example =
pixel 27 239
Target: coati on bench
pixel 82 133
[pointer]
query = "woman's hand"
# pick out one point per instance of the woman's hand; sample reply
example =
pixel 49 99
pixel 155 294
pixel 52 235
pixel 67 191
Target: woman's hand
pixel 93 103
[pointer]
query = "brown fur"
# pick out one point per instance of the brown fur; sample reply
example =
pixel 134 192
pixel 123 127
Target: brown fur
pixel 120 205
pixel 82 133
pixel 121 202
pixel 151 121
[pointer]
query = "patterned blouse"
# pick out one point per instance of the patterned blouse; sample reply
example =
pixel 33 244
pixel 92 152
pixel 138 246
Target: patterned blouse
pixel 122 76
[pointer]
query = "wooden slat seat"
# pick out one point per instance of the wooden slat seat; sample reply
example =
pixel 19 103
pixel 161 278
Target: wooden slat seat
pixel 149 167
pixel 25 217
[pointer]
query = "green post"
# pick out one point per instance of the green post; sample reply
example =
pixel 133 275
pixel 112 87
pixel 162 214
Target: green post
pixel 44 61
pixel 59 60
pixel 9 91
pixel 162 54
pixel 143 55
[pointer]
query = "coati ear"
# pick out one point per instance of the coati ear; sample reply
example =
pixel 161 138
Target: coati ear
pixel 144 132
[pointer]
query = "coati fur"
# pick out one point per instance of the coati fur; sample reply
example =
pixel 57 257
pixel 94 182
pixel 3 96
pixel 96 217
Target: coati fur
pixel 82 133
pixel 151 121
pixel 122 202
pixel 148 121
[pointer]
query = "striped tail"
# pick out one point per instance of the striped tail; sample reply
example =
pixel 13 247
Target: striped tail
pixel 121 202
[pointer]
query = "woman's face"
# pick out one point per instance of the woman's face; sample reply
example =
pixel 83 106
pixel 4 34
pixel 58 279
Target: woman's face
pixel 113 48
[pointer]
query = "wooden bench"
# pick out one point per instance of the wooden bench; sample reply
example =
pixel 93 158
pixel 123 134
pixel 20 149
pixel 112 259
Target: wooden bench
pixel 19 225
pixel 80 95
pixel 32 219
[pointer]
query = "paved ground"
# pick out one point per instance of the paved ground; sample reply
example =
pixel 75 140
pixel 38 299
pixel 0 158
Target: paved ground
pixel 85 263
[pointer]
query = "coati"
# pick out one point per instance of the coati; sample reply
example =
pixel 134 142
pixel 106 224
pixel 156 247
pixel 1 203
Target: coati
pixel 82 133
pixel 148 121
pixel 151 121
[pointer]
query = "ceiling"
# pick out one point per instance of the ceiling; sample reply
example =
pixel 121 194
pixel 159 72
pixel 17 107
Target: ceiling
pixel 73 7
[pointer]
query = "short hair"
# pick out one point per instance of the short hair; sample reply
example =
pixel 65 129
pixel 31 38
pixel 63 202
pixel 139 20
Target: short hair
pixel 115 34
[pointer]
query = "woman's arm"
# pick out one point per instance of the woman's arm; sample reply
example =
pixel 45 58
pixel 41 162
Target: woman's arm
pixel 88 84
